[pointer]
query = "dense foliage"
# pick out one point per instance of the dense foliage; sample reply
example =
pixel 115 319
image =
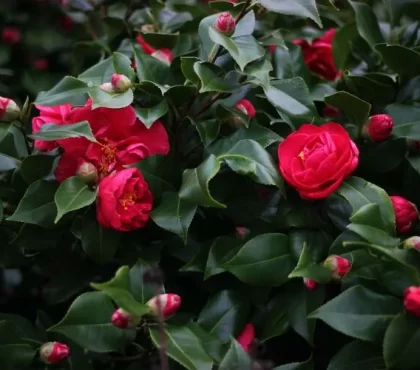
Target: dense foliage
pixel 210 185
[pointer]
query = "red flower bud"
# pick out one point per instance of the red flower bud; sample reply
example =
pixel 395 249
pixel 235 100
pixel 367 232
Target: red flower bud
pixel 246 337
pixel 413 242
pixel 9 110
pixel 310 283
pixel 246 107
pixel 169 304
pixel 88 172
pixel 241 232
pixel 225 23
pixel 405 213
pixel 10 35
pixel 412 300
pixel 379 127
pixel 124 320
pixel 66 23
pixel 40 64
pixel 339 266
pixel 330 111
pixel 120 83
pixel 53 353
pixel 272 49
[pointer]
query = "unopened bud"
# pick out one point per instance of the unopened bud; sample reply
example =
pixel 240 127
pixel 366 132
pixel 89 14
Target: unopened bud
pixel 9 110
pixel 339 266
pixel 53 353
pixel 378 128
pixel 88 173
pixel 310 283
pixel 107 87
pixel 124 320
pixel 148 28
pixel 168 304
pixel 242 232
pixel 412 300
pixel 246 337
pixel 406 213
pixel 246 107
pixel 412 243
pixel 225 24
pixel 10 35
pixel 120 83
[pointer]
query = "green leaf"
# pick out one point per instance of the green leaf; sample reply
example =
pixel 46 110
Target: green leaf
pixel 213 79
pixel 374 235
pixel 298 8
pixel 103 71
pixel 12 142
pixel 224 314
pixel 68 90
pixel 398 7
pixel 357 355
pixel 263 261
pixel 359 313
pixel 370 215
pixel 289 63
pixel 184 347
pixel 308 365
pixel 401 342
pixel 249 158
pixel 207 129
pixel 51 132
pixel 72 195
pixel 275 321
pixel 367 24
pixel 359 192
pixel 402 60
pixel 357 110
pixel 222 249
pixel 150 115
pixel 174 214
pixel 142 291
pixel 243 49
pixel 187 67
pixel 118 290
pixel 37 205
pixel 236 358
pixel 88 324
pixel 35 167
pixel 342 42
pixel 260 69
pixel 195 183
pixel 8 163
pixel 98 243
pixel 101 98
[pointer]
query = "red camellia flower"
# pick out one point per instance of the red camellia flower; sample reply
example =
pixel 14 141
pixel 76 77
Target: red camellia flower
pixel 169 304
pixel 412 300
pixel 319 57
pixel 246 106
pixel 124 201
pixel 316 160
pixel 10 35
pixel 122 140
pixel 53 353
pixel 9 110
pixel 246 337
pixel 225 23
pixel 406 213
pixel 379 127
pixel 165 55
pixel 57 115
pixel 339 266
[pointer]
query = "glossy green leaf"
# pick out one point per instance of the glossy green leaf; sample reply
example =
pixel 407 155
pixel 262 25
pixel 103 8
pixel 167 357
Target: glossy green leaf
pixel 150 115
pixel 52 132
pixel 359 313
pixel 12 142
pixel 141 290
pixel 72 195
pixel 400 59
pixel 187 67
pixel 37 205
pixel 222 249
pixel 224 314
pixel 263 261
pixel 289 63
pixel 308 365
pixel 207 129
pixel 236 358
pixel 342 42
pixel 261 70
pixel 68 90
pixel 35 167
pixel 374 235
pixel 275 320
pixel 88 324
pixel 101 98
pixel 184 347
pixel 213 79
pixel 195 183
pixel 398 7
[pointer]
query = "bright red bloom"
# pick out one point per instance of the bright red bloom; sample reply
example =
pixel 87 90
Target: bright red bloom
pixel 315 160
pixel 319 56
pixel 246 107
pixel 165 55
pixel 124 201
pixel 412 300
pixel 10 35
pixel 339 266
pixel 58 115
pixel 406 213
pixel 53 353
pixel 379 127
pixel 246 337
pixel 169 304
pixel 122 140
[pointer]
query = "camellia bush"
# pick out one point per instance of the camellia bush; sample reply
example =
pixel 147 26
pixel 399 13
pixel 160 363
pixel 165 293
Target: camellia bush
pixel 210 185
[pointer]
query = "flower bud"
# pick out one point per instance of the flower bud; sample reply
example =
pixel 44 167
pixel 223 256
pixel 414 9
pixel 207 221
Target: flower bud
pixel 330 111
pixel 120 83
pixel 40 64
pixel 378 128
pixel 169 304
pixel 246 337
pixel 225 23
pixel 9 110
pixel 242 232
pixel 246 107
pixel 53 353
pixel 124 320
pixel 88 173
pixel 412 243
pixel 164 55
pixel 148 28
pixel 412 300
pixel 405 213
pixel 107 87
pixel 339 266
pixel 10 35
pixel 310 283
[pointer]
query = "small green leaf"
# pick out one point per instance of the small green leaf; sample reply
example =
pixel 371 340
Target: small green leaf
pixel 150 115
pixel 68 90
pixel 235 358
pixel 35 167
pixel 213 79
pixel 187 67
pixel 72 195
pixel 101 98
pixel 174 214
pixel 88 324
pixel 51 132
pixel 142 290
pixel 374 235
pixel 342 42
pixel 402 60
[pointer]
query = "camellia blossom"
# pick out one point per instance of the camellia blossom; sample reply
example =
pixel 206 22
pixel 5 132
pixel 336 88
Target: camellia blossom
pixel 124 201
pixel 10 35
pixel 169 304
pixel 53 353
pixel 9 110
pixel 165 55
pixel 406 213
pixel 339 266
pixel 315 160
pixel 225 24
pixel 413 242
pixel 379 127
pixel 412 300
pixel 124 320
pixel 246 107
pixel 246 337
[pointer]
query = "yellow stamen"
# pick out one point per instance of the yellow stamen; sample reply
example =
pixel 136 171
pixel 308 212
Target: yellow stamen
pixel 301 155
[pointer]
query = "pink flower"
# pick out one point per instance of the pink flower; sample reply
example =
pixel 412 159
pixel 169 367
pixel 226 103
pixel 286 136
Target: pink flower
pixel 120 83
pixel 124 320
pixel 413 242
pixel 53 353
pixel 246 107
pixel 167 303
pixel 339 266
pixel 9 110
pixel 246 337
pixel 225 23
pixel 412 300
pixel 405 213
pixel 310 284
pixel 379 127
pixel 10 35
